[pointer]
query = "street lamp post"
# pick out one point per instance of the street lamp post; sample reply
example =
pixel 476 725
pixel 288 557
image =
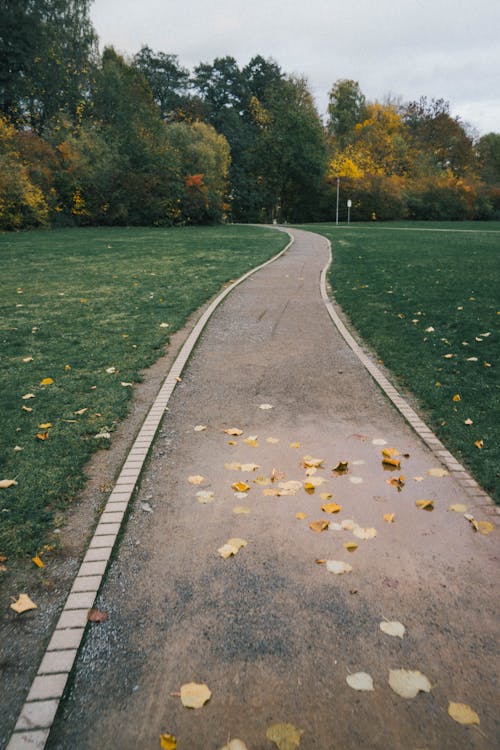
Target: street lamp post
pixel 338 192
pixel 349 204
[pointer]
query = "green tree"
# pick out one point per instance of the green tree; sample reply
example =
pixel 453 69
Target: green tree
pixel 346 108
pixel 167 79
pixel 488 150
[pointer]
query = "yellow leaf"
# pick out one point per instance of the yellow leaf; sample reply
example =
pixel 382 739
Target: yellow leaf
pixel 262 481
pixel 390 452
pixel 338 567
pixel 231 547
pixel 5 483
pixel 233 431
pixel 249 467
pixel 231 442
pixel 389 517
pixel 456 397
pixel 272 440
pixel 251 441
pixel 42 435
pixel 485 527
pixel 331 508
pixel 39 563
pixel 341 468
pixel 240 486
pixel 294 445
pixel 393 462
pixel 241 510
pixel 45 425
pixel 326 495
pixel 479 444
pixel 284 736
pixel 196 479
pixel 23 604
pixel 408 683
pixel 458 508
pixel 46 381
pixel 271 493
pixel 194 695
pixel 312 463
pixel 425 504
pixel 67 368
pixel 300 516
pixel 462 713
pixel 309 487
pixel 438 472
pixel 350 546
pixel 362 533
pixel 168 742
pixel 318 525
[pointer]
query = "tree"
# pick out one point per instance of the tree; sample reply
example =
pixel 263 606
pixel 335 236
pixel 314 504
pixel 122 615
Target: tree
pixel 346 108
pixel 167 79
pixel 488 150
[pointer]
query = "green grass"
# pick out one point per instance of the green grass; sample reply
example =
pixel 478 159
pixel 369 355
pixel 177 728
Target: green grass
pixel 78 302
pixel 393 284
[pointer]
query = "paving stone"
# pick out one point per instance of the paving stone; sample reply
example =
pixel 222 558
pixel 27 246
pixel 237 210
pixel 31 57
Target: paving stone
pixel 87 583
pixel 57 661
pixel 47 686
pixel 103 541
pixel 72 618
pixel 28 740
pixel 104 529
pixel 62 640
pixel 80 600
pixel 92 568
pixel 97 554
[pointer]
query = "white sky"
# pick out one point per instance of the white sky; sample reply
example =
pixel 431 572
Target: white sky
pixel 446 49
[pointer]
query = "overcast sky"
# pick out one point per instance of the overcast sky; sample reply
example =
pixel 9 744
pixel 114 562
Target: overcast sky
pixel 446 49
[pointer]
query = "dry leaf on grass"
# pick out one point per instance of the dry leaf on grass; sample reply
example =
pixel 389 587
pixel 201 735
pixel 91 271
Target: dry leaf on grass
pixel 27 408
pixel 6 483
pixel 394 628
pixel 38 562
pixel 284 736
pixel 479 444
pixel 408 683
pixel 196 479
pixel 194 695
pixel 425 504
pixel 81 411
pixel 42 435
pixel 46 381
pixel 45 425
pixel 168 742
pixel 462 713
pixel 338 567
pixel 27 396
pixel 23 604
pixel 360 681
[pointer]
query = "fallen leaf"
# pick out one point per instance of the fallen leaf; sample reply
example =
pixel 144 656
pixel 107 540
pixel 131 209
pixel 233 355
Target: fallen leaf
pixel 316 481
pixel 249 467
pixel 468 421
pixel 6 483
pixel 27 359
pixel 81 411
pixel 126 385
pixel 46 381
pixel 28 396
pixel 360 681
pixel 390 452
pixel 231 442
pixel 458 508
pixel 38 562
pixel 308 462
pixel 168 742
pixel 448 356
pixel 271 492
pixel 251 440
pixel 196 479
pixel 262 481
pixel 425 504
pixel 95 615
pixel 348 524
pixel 485 527
pixel 456 397
pixel 389 517
pixel 398 482
pixel 233 431
pixel 362 533
pixel 462 713
pixel 272 440
pixel 17 448
pixel 292 484
pixel 320 561
pixel 408 683
pixel 42 435
pixel 231 547
pixel 45 425
pixel 164 325
pixel 67 368
pixel 235 745
pixel 318 525
pixel 27 408
pixel 341 468
pixel 338 567
pixel 326 495
pixel 479 444
pixel 233 467
pixel 241 510
pixel 276 476
pixel 438 472
pixel 240 487
pixel 331 508
pixel 265 407
pixel 294 445
pixel 470 518
pixel 204 497
pixel 200 427
pixel 350 546
pixel 309 487
pixel 392 462
pixel 23 604
pixel 111 370
pixel 379 441
pixel 284 736
pixel 394 628
pixel 300 515
pixel 418 479
pixel 194 695
pixel 103 435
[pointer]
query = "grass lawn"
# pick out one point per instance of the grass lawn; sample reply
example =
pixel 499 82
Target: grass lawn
pixel 428 303
pixel 84 308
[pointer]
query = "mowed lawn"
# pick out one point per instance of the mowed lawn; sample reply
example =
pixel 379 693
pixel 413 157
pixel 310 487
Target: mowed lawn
pixel 428 304
pixel 82 311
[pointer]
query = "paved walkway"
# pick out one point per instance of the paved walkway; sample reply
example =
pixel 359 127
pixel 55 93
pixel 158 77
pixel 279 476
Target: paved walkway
pixel 271 632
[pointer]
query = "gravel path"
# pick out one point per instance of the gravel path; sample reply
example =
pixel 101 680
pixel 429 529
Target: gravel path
pixel 271 632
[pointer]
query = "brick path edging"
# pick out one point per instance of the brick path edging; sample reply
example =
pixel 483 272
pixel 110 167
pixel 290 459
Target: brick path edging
pixel 38 712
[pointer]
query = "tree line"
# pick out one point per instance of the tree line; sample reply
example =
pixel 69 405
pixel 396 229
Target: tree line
pixel 93 138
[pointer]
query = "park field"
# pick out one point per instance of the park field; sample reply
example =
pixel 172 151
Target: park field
pixel 82 312
pixel 425 297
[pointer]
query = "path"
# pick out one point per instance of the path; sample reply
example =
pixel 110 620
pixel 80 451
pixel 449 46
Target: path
pixel 271 632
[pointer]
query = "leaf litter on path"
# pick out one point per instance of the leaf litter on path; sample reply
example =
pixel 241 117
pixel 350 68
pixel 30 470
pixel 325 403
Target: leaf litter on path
pixel 195 695
pixel 408 683
pixel 463 713
pixel 284 736
pixel 360 681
